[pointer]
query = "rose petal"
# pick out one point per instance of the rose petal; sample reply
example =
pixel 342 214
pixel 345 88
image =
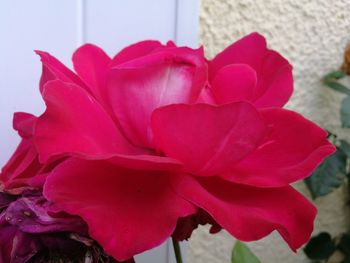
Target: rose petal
pixel 248 50
pixel 137 50
pixel 233 83
pixel 275 86
pixel 22 167
pixel 170 43
pixel 87 131
pixel 35 215
pixel 22 158
pixel 139 86
pixel 274 73
pixel 146 162
pixel 250 213
pixel 16 246
pixel 92 63
pixel 75 123
pixel 208 139
pixel 53 69
pixel 24 123
pixel 186 225
pixel 23 164
pixel 128 212
pixel 294 147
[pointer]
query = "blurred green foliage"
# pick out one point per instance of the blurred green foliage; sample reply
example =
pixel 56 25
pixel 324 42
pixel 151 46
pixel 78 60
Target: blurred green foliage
pixel 331 174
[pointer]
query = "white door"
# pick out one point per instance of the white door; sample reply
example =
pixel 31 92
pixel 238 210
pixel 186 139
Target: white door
pixel 59 27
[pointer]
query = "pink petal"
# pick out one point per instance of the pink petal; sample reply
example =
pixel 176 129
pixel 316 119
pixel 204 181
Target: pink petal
pixel 248 50
pixel 24 155
pixel 127 211
pixel 250 213
pixel 75 123
pixel 87 131
pixel 186 225
pixel 21 168
pixel 208 139
pixel 146 162
pixel 53 69
pixel 206 96
pixel 137 50
pixel 275 86
pixel 91 63
pixel 274 73
pixel 294 147
pixel 136 88
pixel 24 123
pixel 171 43
pixel 233 83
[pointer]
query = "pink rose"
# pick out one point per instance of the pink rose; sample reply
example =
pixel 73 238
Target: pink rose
pixel 142 153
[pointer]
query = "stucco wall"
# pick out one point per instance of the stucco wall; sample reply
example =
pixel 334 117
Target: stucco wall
pixel 312 35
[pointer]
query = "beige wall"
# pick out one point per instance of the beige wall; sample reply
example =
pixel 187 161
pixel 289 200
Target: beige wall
pixel 312 35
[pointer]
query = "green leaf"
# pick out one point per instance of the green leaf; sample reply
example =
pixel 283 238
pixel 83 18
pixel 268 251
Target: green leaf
pixel 337 86
pixel 331 80
pixel 345 112
pixel 242 254
pixel 345 147
pixel 344 245
pixel 335 75
pixel 329 175
pixel 320 247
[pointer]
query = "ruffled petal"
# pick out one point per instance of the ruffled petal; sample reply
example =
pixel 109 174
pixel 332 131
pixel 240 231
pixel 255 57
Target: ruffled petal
pixel 250 213
pixel 275 86
pixel 128 212
pixel 23 165
pixel 233 83
pixel 293 148
pixel 24 123
pixel 274 73
pixel 137 50
pixel 87 131
pixel 21 169
pixel 16 246
pixel 147 162
pixel 75 123
pixel 92 63
pixel 248 50
pixel 53 69
pixel 136 88
pixel 208 139
pixel 34 214
pixel 186 225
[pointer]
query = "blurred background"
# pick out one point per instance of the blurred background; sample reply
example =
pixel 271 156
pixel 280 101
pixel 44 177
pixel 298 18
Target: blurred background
pixel 311 34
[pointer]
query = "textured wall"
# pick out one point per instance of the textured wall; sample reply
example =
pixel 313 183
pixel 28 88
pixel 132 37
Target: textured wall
pixel 312 35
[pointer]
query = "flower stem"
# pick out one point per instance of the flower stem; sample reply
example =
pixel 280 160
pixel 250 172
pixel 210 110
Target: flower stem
pixel 177 251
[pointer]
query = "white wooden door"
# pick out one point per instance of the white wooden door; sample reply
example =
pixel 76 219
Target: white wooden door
pixel 59 27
